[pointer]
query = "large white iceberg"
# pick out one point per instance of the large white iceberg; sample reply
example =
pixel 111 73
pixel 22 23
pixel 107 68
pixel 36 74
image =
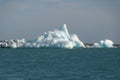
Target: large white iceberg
pixel 58 38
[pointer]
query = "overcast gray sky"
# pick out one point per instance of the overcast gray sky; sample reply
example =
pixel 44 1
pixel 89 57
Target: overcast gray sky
pixel 91 20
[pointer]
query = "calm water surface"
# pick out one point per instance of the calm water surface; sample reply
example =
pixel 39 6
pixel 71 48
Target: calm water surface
pixel 59 64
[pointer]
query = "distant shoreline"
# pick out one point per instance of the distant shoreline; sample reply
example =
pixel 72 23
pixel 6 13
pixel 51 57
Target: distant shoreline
pixel 91 44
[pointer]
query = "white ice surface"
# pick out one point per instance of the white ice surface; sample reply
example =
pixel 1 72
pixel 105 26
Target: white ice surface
pixel 104 44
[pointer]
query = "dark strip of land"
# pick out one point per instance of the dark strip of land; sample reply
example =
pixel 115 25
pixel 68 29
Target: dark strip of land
pixel 91 44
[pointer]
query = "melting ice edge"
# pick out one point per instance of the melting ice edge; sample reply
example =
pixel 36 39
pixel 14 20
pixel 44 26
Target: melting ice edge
pixel 58 38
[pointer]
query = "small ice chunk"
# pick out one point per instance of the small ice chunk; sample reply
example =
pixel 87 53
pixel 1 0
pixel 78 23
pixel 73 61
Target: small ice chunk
pixel 104 44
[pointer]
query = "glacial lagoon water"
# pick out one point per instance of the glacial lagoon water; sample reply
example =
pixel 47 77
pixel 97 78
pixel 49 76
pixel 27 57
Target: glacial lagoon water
pixel 60 64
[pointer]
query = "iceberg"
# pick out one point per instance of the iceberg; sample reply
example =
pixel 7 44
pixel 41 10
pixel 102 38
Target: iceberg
pixel 104 44
pixel 13 43
pixel 59 38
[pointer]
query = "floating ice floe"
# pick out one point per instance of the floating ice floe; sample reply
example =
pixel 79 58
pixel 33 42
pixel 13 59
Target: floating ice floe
pixel 104 44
